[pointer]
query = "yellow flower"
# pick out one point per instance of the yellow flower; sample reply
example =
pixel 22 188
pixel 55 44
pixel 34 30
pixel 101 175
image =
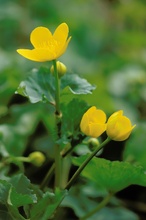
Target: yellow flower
pixel 47 46
pixel 93 122
pixel 119 127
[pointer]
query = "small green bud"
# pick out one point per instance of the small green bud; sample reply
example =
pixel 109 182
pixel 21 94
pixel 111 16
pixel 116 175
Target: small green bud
pixel 61 68
pixel 37 158
pixel 93 143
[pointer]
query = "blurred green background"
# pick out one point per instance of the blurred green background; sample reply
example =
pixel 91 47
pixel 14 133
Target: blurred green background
pixel 108 48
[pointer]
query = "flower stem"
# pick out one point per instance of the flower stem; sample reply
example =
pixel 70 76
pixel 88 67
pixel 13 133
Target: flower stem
pixel 57 87
pixel 79 170
pixel 19 159
pixel 100 206
pixel 47 177
pixel 58 127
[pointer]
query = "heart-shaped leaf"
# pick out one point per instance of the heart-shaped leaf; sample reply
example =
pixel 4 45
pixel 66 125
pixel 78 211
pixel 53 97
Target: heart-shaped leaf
pixel 40 86
pixel 112 176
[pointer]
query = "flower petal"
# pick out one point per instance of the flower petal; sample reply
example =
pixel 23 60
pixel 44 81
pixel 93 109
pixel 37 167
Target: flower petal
pixel 124 135
pixel 40 36
pixel 38 55
pixel 96 115
pixel 95 130
pixel 119 127
pixel 84 123
pixel 63 49
pixel 115 115
pixel 61 33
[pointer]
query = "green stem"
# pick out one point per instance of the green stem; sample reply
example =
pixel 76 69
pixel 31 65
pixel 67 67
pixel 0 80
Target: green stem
pixel 63 154
pixel 57 87
pixel 66 164
pixel 79 170
pixel 57 166
pixel 47 177
pixel 103 203
pixel 21 159
pixel 58 127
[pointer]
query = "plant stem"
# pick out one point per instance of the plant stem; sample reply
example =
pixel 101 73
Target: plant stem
pixel 63 153
pixel 57 166
pixel 79 170
pixel 19 159
pixel 47 177
pixel 58 127
pixel 57 87
pixel 100 206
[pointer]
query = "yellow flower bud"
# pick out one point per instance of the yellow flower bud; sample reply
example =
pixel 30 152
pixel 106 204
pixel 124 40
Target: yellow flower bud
pixel 93 122
pixel 61 68
pixel 37 158
pixel 119 127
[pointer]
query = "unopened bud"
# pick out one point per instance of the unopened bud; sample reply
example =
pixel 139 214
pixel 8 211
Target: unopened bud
pixel 61 68
pixel 37 158
pixel 93 143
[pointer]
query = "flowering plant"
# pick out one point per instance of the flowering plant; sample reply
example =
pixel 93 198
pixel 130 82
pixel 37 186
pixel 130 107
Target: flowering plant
pixel 76 125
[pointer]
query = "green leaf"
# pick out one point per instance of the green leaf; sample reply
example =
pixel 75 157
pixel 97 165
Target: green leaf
pixel 112 176
pixel 15 213
pixel 15 133
pixel 17 199
pixel 78 201
pixel 114 213
pixel 135 150
pixel 76 84
pixel 38 87
pixel 4 191
pixel 5 215
pixel 84 198
pixel 72 114
pixel 47 205
pixel 17 192
pixel 22 186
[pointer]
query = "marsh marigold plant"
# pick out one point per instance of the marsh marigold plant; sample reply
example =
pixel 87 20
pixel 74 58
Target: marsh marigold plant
pixel 93 122
pixel 47 46
pixel 61 113
pixel 119 127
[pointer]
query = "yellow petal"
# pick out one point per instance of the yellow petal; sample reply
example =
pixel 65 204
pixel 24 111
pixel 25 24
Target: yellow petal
pixel 96 115
pixel 61 50
pixel 40 37
pixel 95 130
pixel 38 55
pixel 123 136
pixel 119 127
pixel 115 115
pixel 93 122
pixel 84 123
pixel 112 130
pixel 61 33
